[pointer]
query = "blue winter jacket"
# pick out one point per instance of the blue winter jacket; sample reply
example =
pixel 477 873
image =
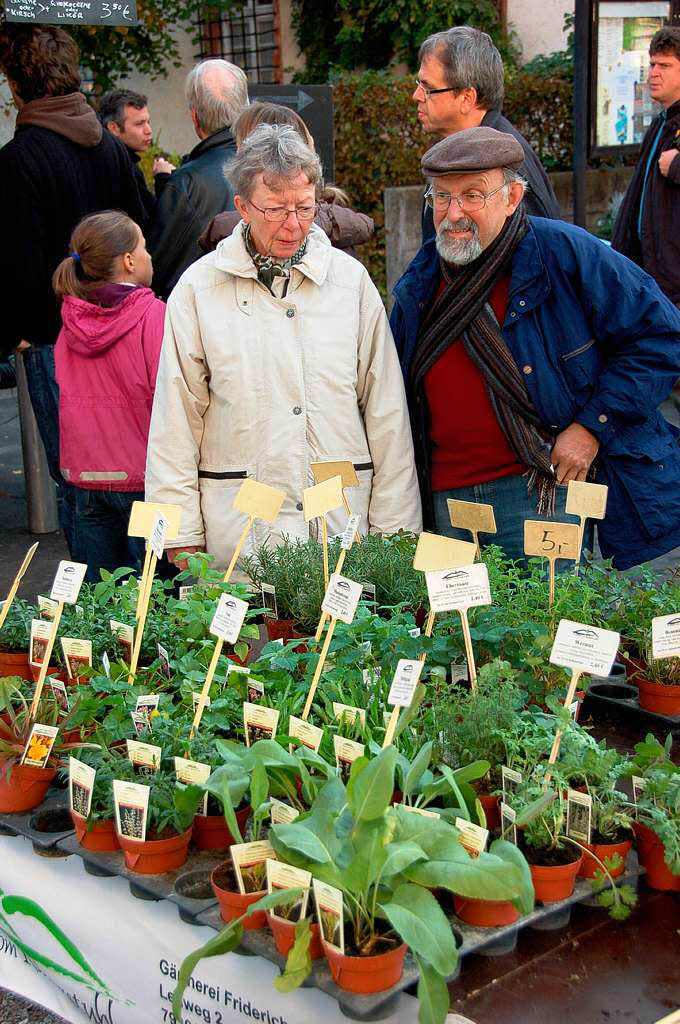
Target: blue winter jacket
pixel 598 344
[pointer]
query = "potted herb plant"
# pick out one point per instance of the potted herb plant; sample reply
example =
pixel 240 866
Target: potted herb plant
pixel 657 829
pixel 96 830
pixel 14 638
pixel 295 570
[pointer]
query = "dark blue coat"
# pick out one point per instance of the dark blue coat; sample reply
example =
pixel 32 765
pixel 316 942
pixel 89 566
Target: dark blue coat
pixel 598 344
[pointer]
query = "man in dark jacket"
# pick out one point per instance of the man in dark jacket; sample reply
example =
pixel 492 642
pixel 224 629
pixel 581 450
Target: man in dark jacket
pixel 59 166
pixel 216 92
pixel 460 85
pixel 125 114
pixel 534 355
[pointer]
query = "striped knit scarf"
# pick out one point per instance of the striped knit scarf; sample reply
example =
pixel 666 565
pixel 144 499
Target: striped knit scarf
pixel 462 310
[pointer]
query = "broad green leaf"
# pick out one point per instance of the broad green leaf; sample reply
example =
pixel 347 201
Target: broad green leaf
pixel 534 809
pixel 433 994
pixel 400 856
pixel 297 837
pixel 299 962
pixel 259 785
pixel 450 867
pixel 367 853
pixel 420 762
pixel 408 714
pixel 418 919
pixel 220 785
pixel 507 851
pixel 370 789
pixel 224 942
pixel 470 772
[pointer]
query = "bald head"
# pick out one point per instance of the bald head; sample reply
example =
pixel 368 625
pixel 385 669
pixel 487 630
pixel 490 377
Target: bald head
pixel 217 93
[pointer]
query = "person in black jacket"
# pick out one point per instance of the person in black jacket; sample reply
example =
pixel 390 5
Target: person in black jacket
pixel 216 92
pixel 125 114
pixel 60 166
pixel 460 85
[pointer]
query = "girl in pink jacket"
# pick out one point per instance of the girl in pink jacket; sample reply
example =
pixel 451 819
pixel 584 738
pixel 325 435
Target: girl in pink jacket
pixel 106 360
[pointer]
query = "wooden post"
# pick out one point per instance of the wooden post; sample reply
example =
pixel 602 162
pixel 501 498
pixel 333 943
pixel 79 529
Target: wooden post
pixel 145 588
pixel 324 543
pixel 7 604
pixel 237 551
pixel 46 661
pixel 319 669
pixel 338 569
pixel 469 652
pixel 256 501
pixel 575 676
pixel 200 707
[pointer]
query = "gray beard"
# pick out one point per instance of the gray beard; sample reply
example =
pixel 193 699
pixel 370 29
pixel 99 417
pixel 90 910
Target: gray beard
pixel 459 252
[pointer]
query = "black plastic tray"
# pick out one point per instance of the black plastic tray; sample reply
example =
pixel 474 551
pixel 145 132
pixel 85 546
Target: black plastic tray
pixel 23 823
pixel 625 698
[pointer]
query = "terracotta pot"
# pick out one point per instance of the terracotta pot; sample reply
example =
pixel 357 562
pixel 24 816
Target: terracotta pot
pixel 53 670
pixel 281 629
pixel 492 810
pixel 284 936
pixel 155 856
pixel 365 974
pixel 633 668
pixel 100 838
pixel 485 913
pixel 662 698
pixel 211 832
pixel 650 852
pixel 555 882
pixel 15 663
pixel 603 850
pixel 25 788
pixel 233 904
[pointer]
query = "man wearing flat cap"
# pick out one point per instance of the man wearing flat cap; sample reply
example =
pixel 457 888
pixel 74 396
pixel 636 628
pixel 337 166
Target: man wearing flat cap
pixel 533 354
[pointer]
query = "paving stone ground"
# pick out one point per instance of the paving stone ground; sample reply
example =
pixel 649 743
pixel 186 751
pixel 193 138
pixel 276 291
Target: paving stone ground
pixel 16 1010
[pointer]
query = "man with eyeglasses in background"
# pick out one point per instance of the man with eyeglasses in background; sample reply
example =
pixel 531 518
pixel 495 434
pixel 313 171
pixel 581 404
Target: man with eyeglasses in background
pixel 459 86
pixel 533 354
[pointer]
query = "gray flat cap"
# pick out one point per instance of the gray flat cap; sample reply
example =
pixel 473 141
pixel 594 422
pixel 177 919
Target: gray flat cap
pixel 474 149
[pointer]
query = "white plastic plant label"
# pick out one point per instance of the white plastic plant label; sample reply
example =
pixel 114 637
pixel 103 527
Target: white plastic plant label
pixel 309 735
pixel 47 607
pixel 423 811
pixel 579 814
pixel 39 745
pixel 77 655
pixel 67 582
pixel 164 658
pixel 465 587
pixel 249 865
pixel 666 636
pixel 349 532
pixel 131 804
pixel 583 647
pixel 342 598
pixel 415 632
pixel 404 682
pixel 185 591
pixel 228 618
pixel 472 837
pixel 508 826
pixel 106 663
pixel 60 694
pixel 80 785
pixel 145 757
pixel 459 673
pixel 193 773
pixel 282 814
pixel 639 785
pixel 349 714
pixel 195 699
pixel 41 632
pixel 157 535
pixel 511 779
pixel 259 723
pixel 368 594
pixel 284 876
pixel 146 703
pixel 330 914
pixel 346 753
pixel 271 610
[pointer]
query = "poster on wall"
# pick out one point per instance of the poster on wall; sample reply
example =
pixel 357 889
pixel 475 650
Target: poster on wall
pixel 624 109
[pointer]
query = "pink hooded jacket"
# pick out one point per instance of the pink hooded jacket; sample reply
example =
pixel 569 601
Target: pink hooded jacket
pixel 106 362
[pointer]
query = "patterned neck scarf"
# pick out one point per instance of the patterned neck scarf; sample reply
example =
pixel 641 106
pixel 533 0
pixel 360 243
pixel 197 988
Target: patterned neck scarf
pixel 268 267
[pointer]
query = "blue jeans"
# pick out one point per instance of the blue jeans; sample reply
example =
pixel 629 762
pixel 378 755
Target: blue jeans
pixel 101 531
pixel 42 387
pixel 511 506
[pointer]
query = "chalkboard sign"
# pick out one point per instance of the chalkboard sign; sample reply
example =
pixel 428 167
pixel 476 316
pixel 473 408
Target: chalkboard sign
pixel 314 104
pixel 72 12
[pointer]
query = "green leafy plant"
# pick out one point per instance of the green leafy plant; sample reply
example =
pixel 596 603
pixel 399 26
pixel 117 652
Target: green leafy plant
pixel 659 803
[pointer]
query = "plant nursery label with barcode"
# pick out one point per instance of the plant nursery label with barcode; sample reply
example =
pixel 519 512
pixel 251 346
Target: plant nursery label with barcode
pixel 666 636
pixel 583 647
pixel 465 587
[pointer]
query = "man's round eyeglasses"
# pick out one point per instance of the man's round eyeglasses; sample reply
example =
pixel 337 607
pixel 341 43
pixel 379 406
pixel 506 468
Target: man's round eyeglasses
pixel 280 213
pixel 432 92
pixel 467 201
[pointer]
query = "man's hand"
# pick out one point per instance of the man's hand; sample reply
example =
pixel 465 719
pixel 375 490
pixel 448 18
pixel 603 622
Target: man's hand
pixel 666 159
pixel 162 166
pixel 23 345
pixel 575 448
pixel 172 554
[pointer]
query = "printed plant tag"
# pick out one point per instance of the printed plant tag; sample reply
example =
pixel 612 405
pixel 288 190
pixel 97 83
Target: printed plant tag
pixel 106 663
pixel 271 610
pixel 349 714
pixel 124 636
pixel 145 757
pixel 573 709
pixel 368 594
pixel 551 540
pixel 309 735
pixel 639 785
pixel 157 535
pixel 80 785
pixel 371 677
pixel 68 581
pixel 472 837
pixel 41 632
pixel 193 773
pixel 579 814
pixel 589 501
pixel 47 607
pixel 284 876
pixel 415 632
pixel 511 779
pixel 185 591
pixel 237 670
pixel 249 860
pixel 164 659
pixel 131 804
pixel 365 647
pixel 666 636
pixel 420 810
pixel 349 532
pixel 471 515
pixel 255 690
pixel 588 648
pixel 508 819
pixel 228 618
pixel 346 753
pixel 342 598
pixel 330 914
pixel 195 698
pixel 140 721
pixel 459 673
pixel 39 746
pixel 146 703
pixel 77 655
pixel 259 723
pixel 60 694
pixel 282 814
pixel 404 682
pixel 466 587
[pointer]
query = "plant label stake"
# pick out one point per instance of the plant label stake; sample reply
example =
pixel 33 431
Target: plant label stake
pixel 587 501
pixel 226 625
pixel 142 518
pixel 473 516
pixel 318 501
pixel 585 650
pixel 552 541
pixel 666 636
pixel 340 602
pixel 65 589
pixel 459 589
pixel 434 552
pixel 401 693
pixel 325 470
pixel 7 603
pixel 155 546
pixel 348 538
pixel 257 501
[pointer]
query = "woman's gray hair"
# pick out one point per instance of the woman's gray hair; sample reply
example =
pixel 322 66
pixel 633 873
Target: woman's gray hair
pixel 277 152
pixel 469 59
pixel 217 92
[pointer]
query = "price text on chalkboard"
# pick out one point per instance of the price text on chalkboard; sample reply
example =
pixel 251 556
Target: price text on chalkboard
pixel 73 12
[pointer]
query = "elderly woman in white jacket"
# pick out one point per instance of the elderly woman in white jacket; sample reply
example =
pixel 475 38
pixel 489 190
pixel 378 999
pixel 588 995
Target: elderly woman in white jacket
pixel 277 353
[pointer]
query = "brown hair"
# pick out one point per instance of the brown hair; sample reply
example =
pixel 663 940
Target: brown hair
pixel 96 242
pixel 39 60
pixel 666 40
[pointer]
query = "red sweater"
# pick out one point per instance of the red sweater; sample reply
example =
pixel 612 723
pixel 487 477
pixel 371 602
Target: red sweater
pixel 468 445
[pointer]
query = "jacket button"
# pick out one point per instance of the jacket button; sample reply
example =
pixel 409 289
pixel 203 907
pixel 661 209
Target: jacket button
pixel 602 418
pixel 522 302
pixel 296 410
pixel 513 315
pixel 299 506
pixel 290 313
pixel 527 370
